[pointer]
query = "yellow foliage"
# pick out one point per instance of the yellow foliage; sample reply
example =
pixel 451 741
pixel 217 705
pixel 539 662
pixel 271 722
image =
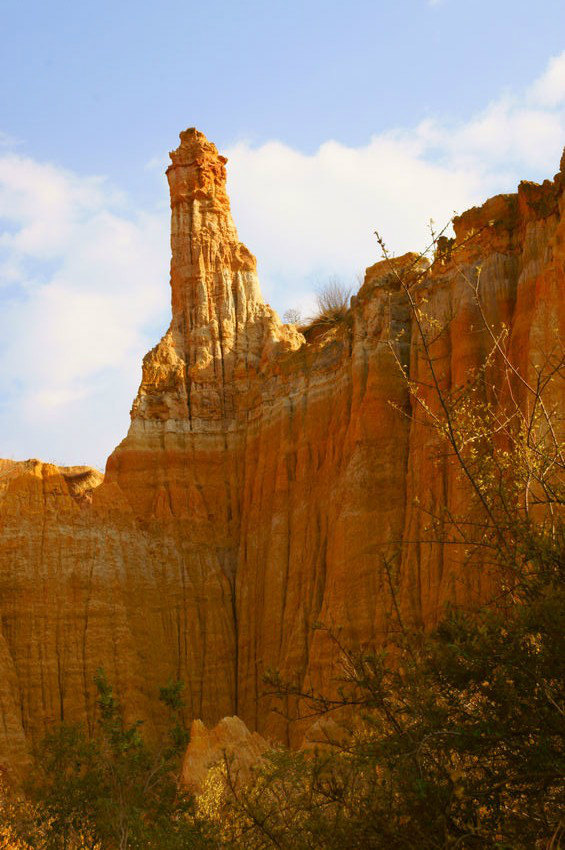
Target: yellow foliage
pixel 18 813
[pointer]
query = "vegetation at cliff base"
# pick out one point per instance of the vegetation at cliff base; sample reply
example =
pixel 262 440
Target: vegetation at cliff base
pixel 110 790
pixel 456 741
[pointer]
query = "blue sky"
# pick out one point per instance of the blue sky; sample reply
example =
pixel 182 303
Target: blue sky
pixel 337 118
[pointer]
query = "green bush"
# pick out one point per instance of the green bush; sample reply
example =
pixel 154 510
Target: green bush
pixel 111 790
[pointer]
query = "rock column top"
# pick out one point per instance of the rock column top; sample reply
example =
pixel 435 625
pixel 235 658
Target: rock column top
pixel 213 279
pixel 197 170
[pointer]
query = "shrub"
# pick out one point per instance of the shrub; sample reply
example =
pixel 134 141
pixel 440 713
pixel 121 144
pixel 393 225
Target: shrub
pixel 332 303
pixel 110 790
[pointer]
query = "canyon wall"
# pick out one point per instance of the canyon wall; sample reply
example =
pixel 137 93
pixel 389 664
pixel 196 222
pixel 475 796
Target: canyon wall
pixel 265 477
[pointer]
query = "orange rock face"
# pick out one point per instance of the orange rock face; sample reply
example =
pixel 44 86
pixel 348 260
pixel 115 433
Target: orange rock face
pixel 263 478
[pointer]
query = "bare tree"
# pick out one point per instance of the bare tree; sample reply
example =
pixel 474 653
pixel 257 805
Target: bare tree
pixel 293 316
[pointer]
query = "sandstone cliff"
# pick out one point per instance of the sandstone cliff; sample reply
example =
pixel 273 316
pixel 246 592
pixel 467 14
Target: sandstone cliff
pixel 263 478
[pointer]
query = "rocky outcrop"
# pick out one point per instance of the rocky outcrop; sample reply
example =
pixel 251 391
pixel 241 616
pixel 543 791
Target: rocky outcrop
pixel 229 742
pixel 264 478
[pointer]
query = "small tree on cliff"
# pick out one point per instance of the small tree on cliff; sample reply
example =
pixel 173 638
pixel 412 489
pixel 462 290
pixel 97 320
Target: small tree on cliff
pixel 293 316
pixel 458 735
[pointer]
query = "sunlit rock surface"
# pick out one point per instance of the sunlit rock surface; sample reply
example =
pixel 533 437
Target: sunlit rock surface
pixel 264 478
pixel 229 744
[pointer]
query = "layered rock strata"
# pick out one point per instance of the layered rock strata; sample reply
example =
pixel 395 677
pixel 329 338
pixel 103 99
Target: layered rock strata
pixel 264 477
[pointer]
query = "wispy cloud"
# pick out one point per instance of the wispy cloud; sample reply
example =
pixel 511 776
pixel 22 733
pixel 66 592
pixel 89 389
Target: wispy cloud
pixel 549 90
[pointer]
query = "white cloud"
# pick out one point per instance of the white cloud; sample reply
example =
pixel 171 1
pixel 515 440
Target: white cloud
pixel 83 289
pixel 308 216
pixel 84 277
pixel 312 216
